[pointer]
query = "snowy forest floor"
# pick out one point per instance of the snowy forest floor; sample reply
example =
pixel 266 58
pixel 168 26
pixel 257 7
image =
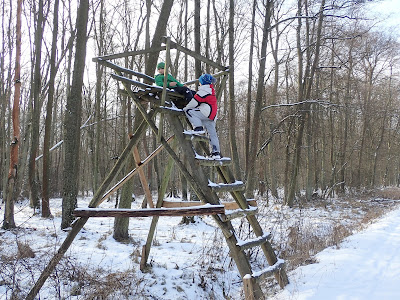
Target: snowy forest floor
pixel 186 261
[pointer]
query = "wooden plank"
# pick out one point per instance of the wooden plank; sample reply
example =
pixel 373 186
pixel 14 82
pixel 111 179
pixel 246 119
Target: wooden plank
pixel 150 212
pixel 196 137
pixel 175 204
pixel 254 242
pixel 227 187
pixel 204 161
pixel 142 177
pixel 170 110
pixel 235 205
pixel 275 268
pixel 239 213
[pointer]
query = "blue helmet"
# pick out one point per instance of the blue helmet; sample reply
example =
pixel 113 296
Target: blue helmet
pixel 206 79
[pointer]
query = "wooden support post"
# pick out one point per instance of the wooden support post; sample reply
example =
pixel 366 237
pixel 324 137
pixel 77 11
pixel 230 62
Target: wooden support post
pixel 221 87
pixel 248 287
pixel 142 176
pixel 164 91
pixel 154 221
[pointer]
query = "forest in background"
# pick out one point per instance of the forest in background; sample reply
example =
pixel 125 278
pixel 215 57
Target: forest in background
pixel 311 105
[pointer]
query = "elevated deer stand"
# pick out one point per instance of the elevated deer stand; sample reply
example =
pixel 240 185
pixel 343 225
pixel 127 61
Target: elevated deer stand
pixel 164 103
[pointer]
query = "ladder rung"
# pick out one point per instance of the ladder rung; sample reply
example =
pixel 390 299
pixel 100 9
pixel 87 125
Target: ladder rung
pixel 239 213
pixel 224 161
pixel 260 275
pixel 254 242
pixel 206 209
pixel 170 110
pixel 226 187
pixel 234 205
pixel 196 137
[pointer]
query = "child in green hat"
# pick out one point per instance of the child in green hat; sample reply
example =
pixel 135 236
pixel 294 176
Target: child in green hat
pixel 172 83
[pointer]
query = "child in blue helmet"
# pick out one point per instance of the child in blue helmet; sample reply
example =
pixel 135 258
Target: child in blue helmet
pixel 202 112
pixel 172 83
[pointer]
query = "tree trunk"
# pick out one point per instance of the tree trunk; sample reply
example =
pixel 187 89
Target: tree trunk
pixel 49 115
pixel 197 38
pixel 99 76
pixel 5 97
pixel 36 88
pixel 9 222
pixel 73 119
pixel 159 32
pixel 251 175
pixel 307 84
pixel 232 100
pixel 249 92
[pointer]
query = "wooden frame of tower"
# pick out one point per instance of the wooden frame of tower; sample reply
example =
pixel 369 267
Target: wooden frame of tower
pixel 165 104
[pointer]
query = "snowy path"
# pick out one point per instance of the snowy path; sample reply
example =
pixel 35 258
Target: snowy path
pixel 366 267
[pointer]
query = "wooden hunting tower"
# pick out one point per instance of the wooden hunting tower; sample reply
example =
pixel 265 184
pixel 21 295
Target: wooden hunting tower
pixel 154 101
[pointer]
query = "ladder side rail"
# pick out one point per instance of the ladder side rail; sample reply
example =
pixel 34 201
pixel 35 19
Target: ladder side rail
pixel 266 247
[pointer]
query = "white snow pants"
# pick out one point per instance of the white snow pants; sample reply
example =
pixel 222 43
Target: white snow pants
pixel 197 119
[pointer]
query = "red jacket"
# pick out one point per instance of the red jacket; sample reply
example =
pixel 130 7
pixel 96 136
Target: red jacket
pixel 207 101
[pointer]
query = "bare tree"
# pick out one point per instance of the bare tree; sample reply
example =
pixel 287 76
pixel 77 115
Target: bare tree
pixel 232 104
pixel 258 103
pixel 49 116
pixel 13 171
pixel 304 92
pixel 73 119
pixel 36 91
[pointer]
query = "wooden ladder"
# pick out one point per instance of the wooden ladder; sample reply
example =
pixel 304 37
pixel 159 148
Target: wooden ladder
pixel 237 247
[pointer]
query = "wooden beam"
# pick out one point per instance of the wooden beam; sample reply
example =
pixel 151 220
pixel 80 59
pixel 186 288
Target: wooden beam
pixel 235 205
pixel 125 70
pixel 150 212
pixel 268 271
pixel 238 213
pixel 142 177
pixel 248 284
pixel 131 53
pixel 227 187
pixel 254 242
pixel 197 56
pixel 134 82
pixel 204 161
pixel 216 75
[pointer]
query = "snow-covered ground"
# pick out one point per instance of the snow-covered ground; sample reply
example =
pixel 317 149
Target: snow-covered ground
pixel 192 261
pixel 366 267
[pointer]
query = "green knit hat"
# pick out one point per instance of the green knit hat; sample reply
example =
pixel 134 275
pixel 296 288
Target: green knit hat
pixel 160 65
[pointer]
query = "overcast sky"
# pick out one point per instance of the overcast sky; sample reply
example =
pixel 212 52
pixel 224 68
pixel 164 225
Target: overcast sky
pixel 389 10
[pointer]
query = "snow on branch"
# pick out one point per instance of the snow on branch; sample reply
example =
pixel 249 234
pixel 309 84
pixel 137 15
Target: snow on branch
pixel 319 102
